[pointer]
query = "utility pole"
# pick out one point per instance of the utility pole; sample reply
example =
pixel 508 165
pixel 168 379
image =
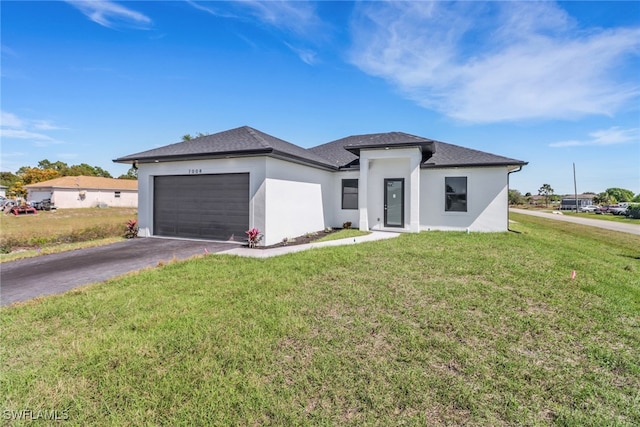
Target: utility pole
pixel 575 187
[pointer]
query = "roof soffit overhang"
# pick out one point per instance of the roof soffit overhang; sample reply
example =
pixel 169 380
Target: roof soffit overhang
pixel 267 152
pixel 426 147
pixel 510 165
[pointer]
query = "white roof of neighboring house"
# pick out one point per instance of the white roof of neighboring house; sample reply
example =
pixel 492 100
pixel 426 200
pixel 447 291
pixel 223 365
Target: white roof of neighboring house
pixel 87 183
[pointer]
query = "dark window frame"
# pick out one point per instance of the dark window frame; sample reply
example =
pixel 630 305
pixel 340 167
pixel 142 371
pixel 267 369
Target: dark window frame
pixel 117 194
pixel 455 201
pixel 350 181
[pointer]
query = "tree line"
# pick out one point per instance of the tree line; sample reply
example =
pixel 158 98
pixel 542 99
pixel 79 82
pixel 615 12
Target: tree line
pixel 46 170
pixel 608 197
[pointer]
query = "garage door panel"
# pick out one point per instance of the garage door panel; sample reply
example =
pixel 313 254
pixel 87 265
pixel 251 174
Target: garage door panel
pixel 202 206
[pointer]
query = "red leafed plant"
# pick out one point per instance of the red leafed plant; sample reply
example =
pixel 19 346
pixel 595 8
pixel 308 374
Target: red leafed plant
pixel 132 229
pixel 253 237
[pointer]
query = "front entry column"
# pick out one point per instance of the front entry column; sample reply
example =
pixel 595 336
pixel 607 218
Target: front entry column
pixel 414 193
pixel 362 193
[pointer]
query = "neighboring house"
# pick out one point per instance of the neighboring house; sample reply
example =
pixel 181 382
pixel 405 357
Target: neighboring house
pixel 3 191
pixel 85 192
pixel 218 186
pixel 569 202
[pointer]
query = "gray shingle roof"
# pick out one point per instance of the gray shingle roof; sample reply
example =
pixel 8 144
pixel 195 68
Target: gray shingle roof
pixel 449 155
pixel 336 154
pixel 436 153
pixel 243 140
pixel 345 151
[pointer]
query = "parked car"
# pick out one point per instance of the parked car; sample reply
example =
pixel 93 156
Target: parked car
pixel 44 205
pixel 602 209
pixel 590 208
pixel 7 204
pixel 618 210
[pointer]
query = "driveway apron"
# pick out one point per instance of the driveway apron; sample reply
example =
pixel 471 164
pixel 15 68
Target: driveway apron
pixel 29 278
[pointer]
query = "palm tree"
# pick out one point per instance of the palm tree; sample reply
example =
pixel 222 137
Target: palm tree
pixel 547 192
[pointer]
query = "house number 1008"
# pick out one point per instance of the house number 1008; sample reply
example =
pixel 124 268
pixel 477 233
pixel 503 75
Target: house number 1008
pixel 194 171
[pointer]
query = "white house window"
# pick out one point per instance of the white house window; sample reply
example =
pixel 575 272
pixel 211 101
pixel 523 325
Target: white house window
pixel 455 190
pixel 349 194
pixel 117 194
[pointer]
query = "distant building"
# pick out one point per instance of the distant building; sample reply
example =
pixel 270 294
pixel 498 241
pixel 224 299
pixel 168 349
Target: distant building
pixel 3 191
pixel 85 192
pixel 569 202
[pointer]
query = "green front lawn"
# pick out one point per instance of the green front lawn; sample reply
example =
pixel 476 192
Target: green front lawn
pixel 426 329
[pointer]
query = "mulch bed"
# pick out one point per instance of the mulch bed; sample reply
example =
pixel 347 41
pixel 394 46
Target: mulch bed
pixel 301 240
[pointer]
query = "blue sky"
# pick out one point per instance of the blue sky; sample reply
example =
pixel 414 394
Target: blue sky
pixel 549 83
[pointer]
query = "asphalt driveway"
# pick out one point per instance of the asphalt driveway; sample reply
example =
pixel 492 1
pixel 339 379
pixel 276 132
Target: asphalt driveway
pixel 29 278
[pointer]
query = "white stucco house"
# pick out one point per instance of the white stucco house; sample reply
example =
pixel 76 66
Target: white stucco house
pixel 218 186
pixel 3 191
pixel 85 192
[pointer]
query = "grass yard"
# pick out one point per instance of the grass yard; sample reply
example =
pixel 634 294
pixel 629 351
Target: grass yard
pixel 427 329
pixel 63 226
pixel 603 217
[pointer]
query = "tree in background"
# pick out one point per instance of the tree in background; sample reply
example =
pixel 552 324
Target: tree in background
pixel 28 175
pixel 84 169
pixel 620 194
pixel 8 179
pixel 132 173
pixel 34 175
pixel 188 137
pixel 603 198
pixel 546 191
pixel 515 197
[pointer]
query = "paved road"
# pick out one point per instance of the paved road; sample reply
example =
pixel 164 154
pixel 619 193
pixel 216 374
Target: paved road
pixel 29 278
pixel 609 225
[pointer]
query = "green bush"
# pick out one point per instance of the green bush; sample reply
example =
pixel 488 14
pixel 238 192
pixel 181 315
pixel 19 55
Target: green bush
pixel 634 212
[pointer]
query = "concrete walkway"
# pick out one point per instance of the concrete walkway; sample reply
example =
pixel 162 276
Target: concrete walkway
pixel 601 223
pixel 267 253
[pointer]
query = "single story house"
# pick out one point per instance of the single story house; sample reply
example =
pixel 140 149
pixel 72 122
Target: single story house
pixel 569 202
pixel 85 192
pixel 3 191
pixel 220 185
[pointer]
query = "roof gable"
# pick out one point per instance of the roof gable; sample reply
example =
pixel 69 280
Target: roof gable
pixel 345 151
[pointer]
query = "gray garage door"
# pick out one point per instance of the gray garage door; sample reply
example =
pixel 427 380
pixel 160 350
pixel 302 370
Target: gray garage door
pixel 212 207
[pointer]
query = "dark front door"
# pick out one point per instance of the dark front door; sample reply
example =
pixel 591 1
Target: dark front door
pixel 394 202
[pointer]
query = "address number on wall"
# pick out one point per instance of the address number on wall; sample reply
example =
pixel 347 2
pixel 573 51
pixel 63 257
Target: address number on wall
pixel 194 171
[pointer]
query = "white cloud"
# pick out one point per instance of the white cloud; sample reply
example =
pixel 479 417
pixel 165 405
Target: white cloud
pixel 498 61
pixel 307 56
pixel 110 14
pixel 14 127
pixel 297 17
pixel 10 120
pixel 24 134
pixel 611 136
pixel 294 18
pixel 209 9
